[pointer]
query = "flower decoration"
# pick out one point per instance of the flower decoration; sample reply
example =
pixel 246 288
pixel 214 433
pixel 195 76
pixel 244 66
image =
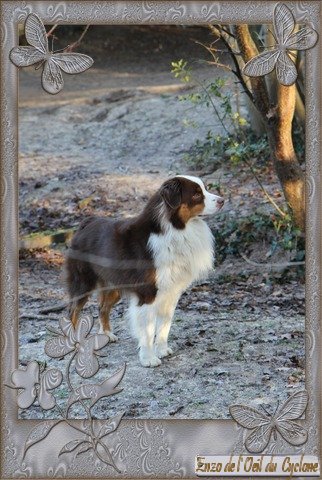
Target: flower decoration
pixel 36 382
pixel 78 341
pixel 38 53
pixel 282 421
pixel 286 41
pixel 36 385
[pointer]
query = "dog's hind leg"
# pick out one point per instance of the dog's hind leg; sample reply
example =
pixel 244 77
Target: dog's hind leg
pixel 75 309
pixel 81 281
pixel 107 300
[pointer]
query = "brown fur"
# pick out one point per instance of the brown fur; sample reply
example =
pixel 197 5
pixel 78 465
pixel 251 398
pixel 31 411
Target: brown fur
pixel 114 254
pixel 107 300
pixel 186 213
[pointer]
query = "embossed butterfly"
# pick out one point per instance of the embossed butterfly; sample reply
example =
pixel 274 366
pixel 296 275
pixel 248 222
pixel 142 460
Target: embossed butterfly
pixel 263 425
pixel 38 53
pixel 286 41
pixel 34 384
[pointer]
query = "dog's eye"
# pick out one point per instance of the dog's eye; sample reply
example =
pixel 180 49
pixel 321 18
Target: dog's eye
pixel 197 195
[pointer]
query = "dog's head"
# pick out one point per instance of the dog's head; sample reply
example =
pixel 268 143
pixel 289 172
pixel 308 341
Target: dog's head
pixel 186 197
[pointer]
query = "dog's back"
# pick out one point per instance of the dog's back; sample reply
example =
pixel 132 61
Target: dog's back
pixel 113 255
pixel 89 257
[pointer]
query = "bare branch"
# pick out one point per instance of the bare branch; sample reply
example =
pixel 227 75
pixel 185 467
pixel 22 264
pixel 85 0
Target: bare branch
pixel 271 265
pixel 38 317
pixel 57 308
pixel 212 53
pixel 220 65
pixel 230 34
pixel 76 44
pixel 267 195
pixel 237 72
pixel 51 31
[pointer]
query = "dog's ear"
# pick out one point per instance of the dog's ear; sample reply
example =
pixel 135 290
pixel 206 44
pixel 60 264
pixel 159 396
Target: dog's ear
pixel 171 192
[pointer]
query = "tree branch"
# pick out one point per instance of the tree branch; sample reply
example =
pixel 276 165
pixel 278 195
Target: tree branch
pixel 219 31
pixel 271 265
pixel 74 45
pixel 52 30
pixel 249 50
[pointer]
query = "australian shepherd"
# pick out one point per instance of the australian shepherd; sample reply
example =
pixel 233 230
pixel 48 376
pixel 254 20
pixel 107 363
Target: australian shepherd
pixel 151 259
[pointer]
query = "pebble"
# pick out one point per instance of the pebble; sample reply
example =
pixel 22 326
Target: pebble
pixel 202 306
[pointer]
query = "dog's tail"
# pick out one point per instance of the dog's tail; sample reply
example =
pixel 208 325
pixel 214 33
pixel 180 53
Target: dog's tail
pixel 80 278
pixel 86 222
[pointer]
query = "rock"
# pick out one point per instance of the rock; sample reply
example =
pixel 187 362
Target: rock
pixel 203 306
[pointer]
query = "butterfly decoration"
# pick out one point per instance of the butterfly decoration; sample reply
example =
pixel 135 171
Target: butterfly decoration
pixel 286 41
pixel 53 63
pixel 263 425
pixel 34 384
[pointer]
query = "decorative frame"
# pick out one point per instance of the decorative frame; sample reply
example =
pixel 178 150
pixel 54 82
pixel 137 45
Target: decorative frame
pixel 165 448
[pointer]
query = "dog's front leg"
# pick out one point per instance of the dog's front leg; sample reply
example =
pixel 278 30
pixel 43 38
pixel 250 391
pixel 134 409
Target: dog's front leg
pixel 165 311
pixel 143 324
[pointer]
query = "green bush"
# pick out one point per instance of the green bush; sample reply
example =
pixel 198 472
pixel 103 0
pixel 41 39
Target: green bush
pixel 237 235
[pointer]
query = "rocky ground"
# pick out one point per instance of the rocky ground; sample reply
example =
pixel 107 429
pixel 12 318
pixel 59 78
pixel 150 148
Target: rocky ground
pixel 102 147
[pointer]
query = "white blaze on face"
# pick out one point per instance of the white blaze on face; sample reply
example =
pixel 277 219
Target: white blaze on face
pixel 213 203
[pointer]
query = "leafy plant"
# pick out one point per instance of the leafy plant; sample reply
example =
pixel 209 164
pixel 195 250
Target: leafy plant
pixel 240 146
pixel 277 233
pixel 238 143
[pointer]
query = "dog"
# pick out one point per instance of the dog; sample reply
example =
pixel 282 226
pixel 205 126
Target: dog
pixel 151 259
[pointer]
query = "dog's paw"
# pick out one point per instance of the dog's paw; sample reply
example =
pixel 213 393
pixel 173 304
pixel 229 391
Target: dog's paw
pixel 110 335
pixel 149 360
pixel 163 351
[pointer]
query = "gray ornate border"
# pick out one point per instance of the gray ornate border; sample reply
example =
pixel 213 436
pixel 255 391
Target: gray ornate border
pixel 144 448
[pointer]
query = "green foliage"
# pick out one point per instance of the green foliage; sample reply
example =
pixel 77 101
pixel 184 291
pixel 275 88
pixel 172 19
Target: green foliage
pixel 215 149
pixel 238 143
pixel 278 234
pixel 289 237
pixel 181 70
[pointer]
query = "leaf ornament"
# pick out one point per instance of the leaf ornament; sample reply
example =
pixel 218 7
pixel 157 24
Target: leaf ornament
pixel 54 63
pixel 94 392
pixel 71 446
pixel 91 442
pixel 286 41
pixel 39 433
pixel 263 425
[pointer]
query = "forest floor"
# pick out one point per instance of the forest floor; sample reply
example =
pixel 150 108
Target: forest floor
pixel 103 146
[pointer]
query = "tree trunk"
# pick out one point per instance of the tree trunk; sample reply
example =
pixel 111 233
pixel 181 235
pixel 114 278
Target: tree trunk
pixel 249 50
pixel 287 166
pixel 278 121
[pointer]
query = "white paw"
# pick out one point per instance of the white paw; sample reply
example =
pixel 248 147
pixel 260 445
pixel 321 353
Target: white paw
pixel 163 351
pixel 110 335
pixel 150 360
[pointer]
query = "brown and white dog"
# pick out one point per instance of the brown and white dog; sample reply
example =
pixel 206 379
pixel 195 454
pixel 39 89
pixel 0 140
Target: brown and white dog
pixel 151 259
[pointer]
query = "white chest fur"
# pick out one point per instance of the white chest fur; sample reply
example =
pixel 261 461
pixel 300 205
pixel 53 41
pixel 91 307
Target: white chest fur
pixel 182 256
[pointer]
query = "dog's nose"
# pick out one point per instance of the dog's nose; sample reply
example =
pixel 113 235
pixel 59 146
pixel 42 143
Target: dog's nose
pixel 220 202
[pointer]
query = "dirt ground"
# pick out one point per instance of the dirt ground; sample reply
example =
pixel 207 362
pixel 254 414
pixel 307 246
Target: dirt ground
pixel 103 146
